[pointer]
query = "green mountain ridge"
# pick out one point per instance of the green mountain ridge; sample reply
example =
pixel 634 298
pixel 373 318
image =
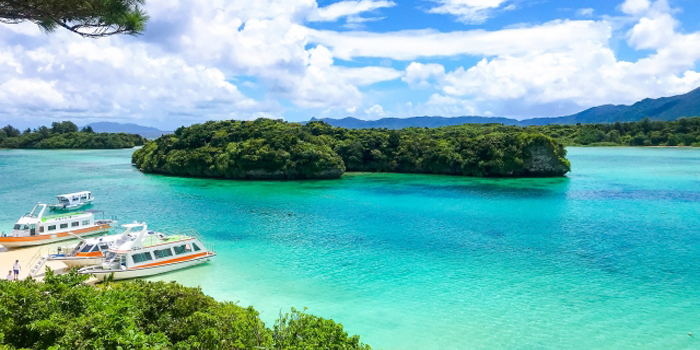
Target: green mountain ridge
pixel 129 128
pixel 665 109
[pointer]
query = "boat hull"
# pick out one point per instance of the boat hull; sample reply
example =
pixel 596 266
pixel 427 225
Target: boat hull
pixel 78 262
pixel 149 271
pixel 29 241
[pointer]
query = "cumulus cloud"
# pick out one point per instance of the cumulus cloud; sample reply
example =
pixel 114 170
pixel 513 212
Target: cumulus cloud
pixel 634 7
pixel 182 69
pixel 74 78
pixel 566 79
pixel 420 74
pixel 653 32
pixel 185 67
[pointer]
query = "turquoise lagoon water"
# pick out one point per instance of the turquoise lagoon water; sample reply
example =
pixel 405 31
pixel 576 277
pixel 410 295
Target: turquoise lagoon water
pixel 606 258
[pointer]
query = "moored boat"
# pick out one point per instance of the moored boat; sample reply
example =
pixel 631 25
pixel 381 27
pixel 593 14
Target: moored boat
pixel 149 255
pixel 72 201
pixel 90 251
pixel 36 228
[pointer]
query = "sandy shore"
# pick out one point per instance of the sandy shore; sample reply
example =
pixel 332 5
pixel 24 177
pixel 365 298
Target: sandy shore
pixel 25 257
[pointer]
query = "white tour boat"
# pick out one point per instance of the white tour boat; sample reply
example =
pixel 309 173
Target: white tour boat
pixel 151 254
pixel 91 251
pixel 72 201
pixel 36 229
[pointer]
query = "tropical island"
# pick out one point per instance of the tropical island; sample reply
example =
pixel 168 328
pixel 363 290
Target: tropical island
pixel 65 313
pixel 65 135
pixel 273 149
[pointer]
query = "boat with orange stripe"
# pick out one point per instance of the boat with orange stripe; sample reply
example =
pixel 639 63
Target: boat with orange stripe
pixel 151 254
pixel 91 251
pixel 36 228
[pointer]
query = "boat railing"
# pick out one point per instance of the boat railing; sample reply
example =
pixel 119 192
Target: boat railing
pixel 32 265
pixel 191 232
pixel 62 251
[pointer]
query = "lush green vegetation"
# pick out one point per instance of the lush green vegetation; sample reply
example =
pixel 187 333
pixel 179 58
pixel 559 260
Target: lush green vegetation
pixel 65 135
pixel 682 132
pixel 64 313
pixel 89 18
pixel 274 149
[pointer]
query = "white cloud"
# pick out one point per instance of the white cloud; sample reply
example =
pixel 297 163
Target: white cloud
pixel 467 11
pixel 413 44
pixel 419 74
pixel 326 85
pixel 653 32
pixel 184 68
pixel 634 7
pixel 585 12
pixel 584 74
pixel 375 112
pixel 30 93
pixel 347 8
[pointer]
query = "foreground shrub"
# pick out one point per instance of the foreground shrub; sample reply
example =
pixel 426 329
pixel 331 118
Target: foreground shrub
pixel 64 313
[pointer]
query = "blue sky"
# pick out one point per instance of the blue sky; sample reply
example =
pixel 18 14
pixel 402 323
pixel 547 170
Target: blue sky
pixel 297 59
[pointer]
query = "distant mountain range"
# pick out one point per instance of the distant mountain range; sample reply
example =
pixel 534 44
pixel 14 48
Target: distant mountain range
pixel 129 128
pixel 666 108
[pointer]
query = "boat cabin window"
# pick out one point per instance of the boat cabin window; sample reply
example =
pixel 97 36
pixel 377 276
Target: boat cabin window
pixel 196 247
pixel 163 253
pixel 110 255
pixel 74 224
pixel 21 227
pixel 86 222
pixel 182 249
pixel 141 257
pixel 104 246
pixel 64 200
pixel 41 229
pixel 87 248
pixel 64 225
pixel 52 227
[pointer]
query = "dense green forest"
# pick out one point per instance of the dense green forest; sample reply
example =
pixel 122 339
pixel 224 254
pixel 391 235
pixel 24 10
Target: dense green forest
pixel 65 135
pixel 272 149
pixel 682 132
pixel 64 313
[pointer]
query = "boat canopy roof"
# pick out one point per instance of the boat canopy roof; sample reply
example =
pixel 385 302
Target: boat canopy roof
pixel 71 195
pixel 134 225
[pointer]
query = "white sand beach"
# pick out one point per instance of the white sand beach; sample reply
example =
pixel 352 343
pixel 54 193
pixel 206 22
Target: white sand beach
pixel 27 257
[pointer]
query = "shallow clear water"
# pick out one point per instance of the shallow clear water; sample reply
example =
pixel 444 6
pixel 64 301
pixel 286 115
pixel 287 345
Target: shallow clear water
pixel 606 258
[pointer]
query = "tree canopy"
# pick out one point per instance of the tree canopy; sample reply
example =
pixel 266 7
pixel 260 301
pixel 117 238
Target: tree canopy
pixel 64 313
pixel 65 135
pixel 89 18
pixel 681 132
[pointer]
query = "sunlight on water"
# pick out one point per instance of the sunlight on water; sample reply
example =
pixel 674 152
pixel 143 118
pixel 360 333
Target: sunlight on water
pixel 606 258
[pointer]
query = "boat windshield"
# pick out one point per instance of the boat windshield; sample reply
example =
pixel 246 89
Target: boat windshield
pixel 63 200
pixel 21 227
pixel 109 256
pixel 35 212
